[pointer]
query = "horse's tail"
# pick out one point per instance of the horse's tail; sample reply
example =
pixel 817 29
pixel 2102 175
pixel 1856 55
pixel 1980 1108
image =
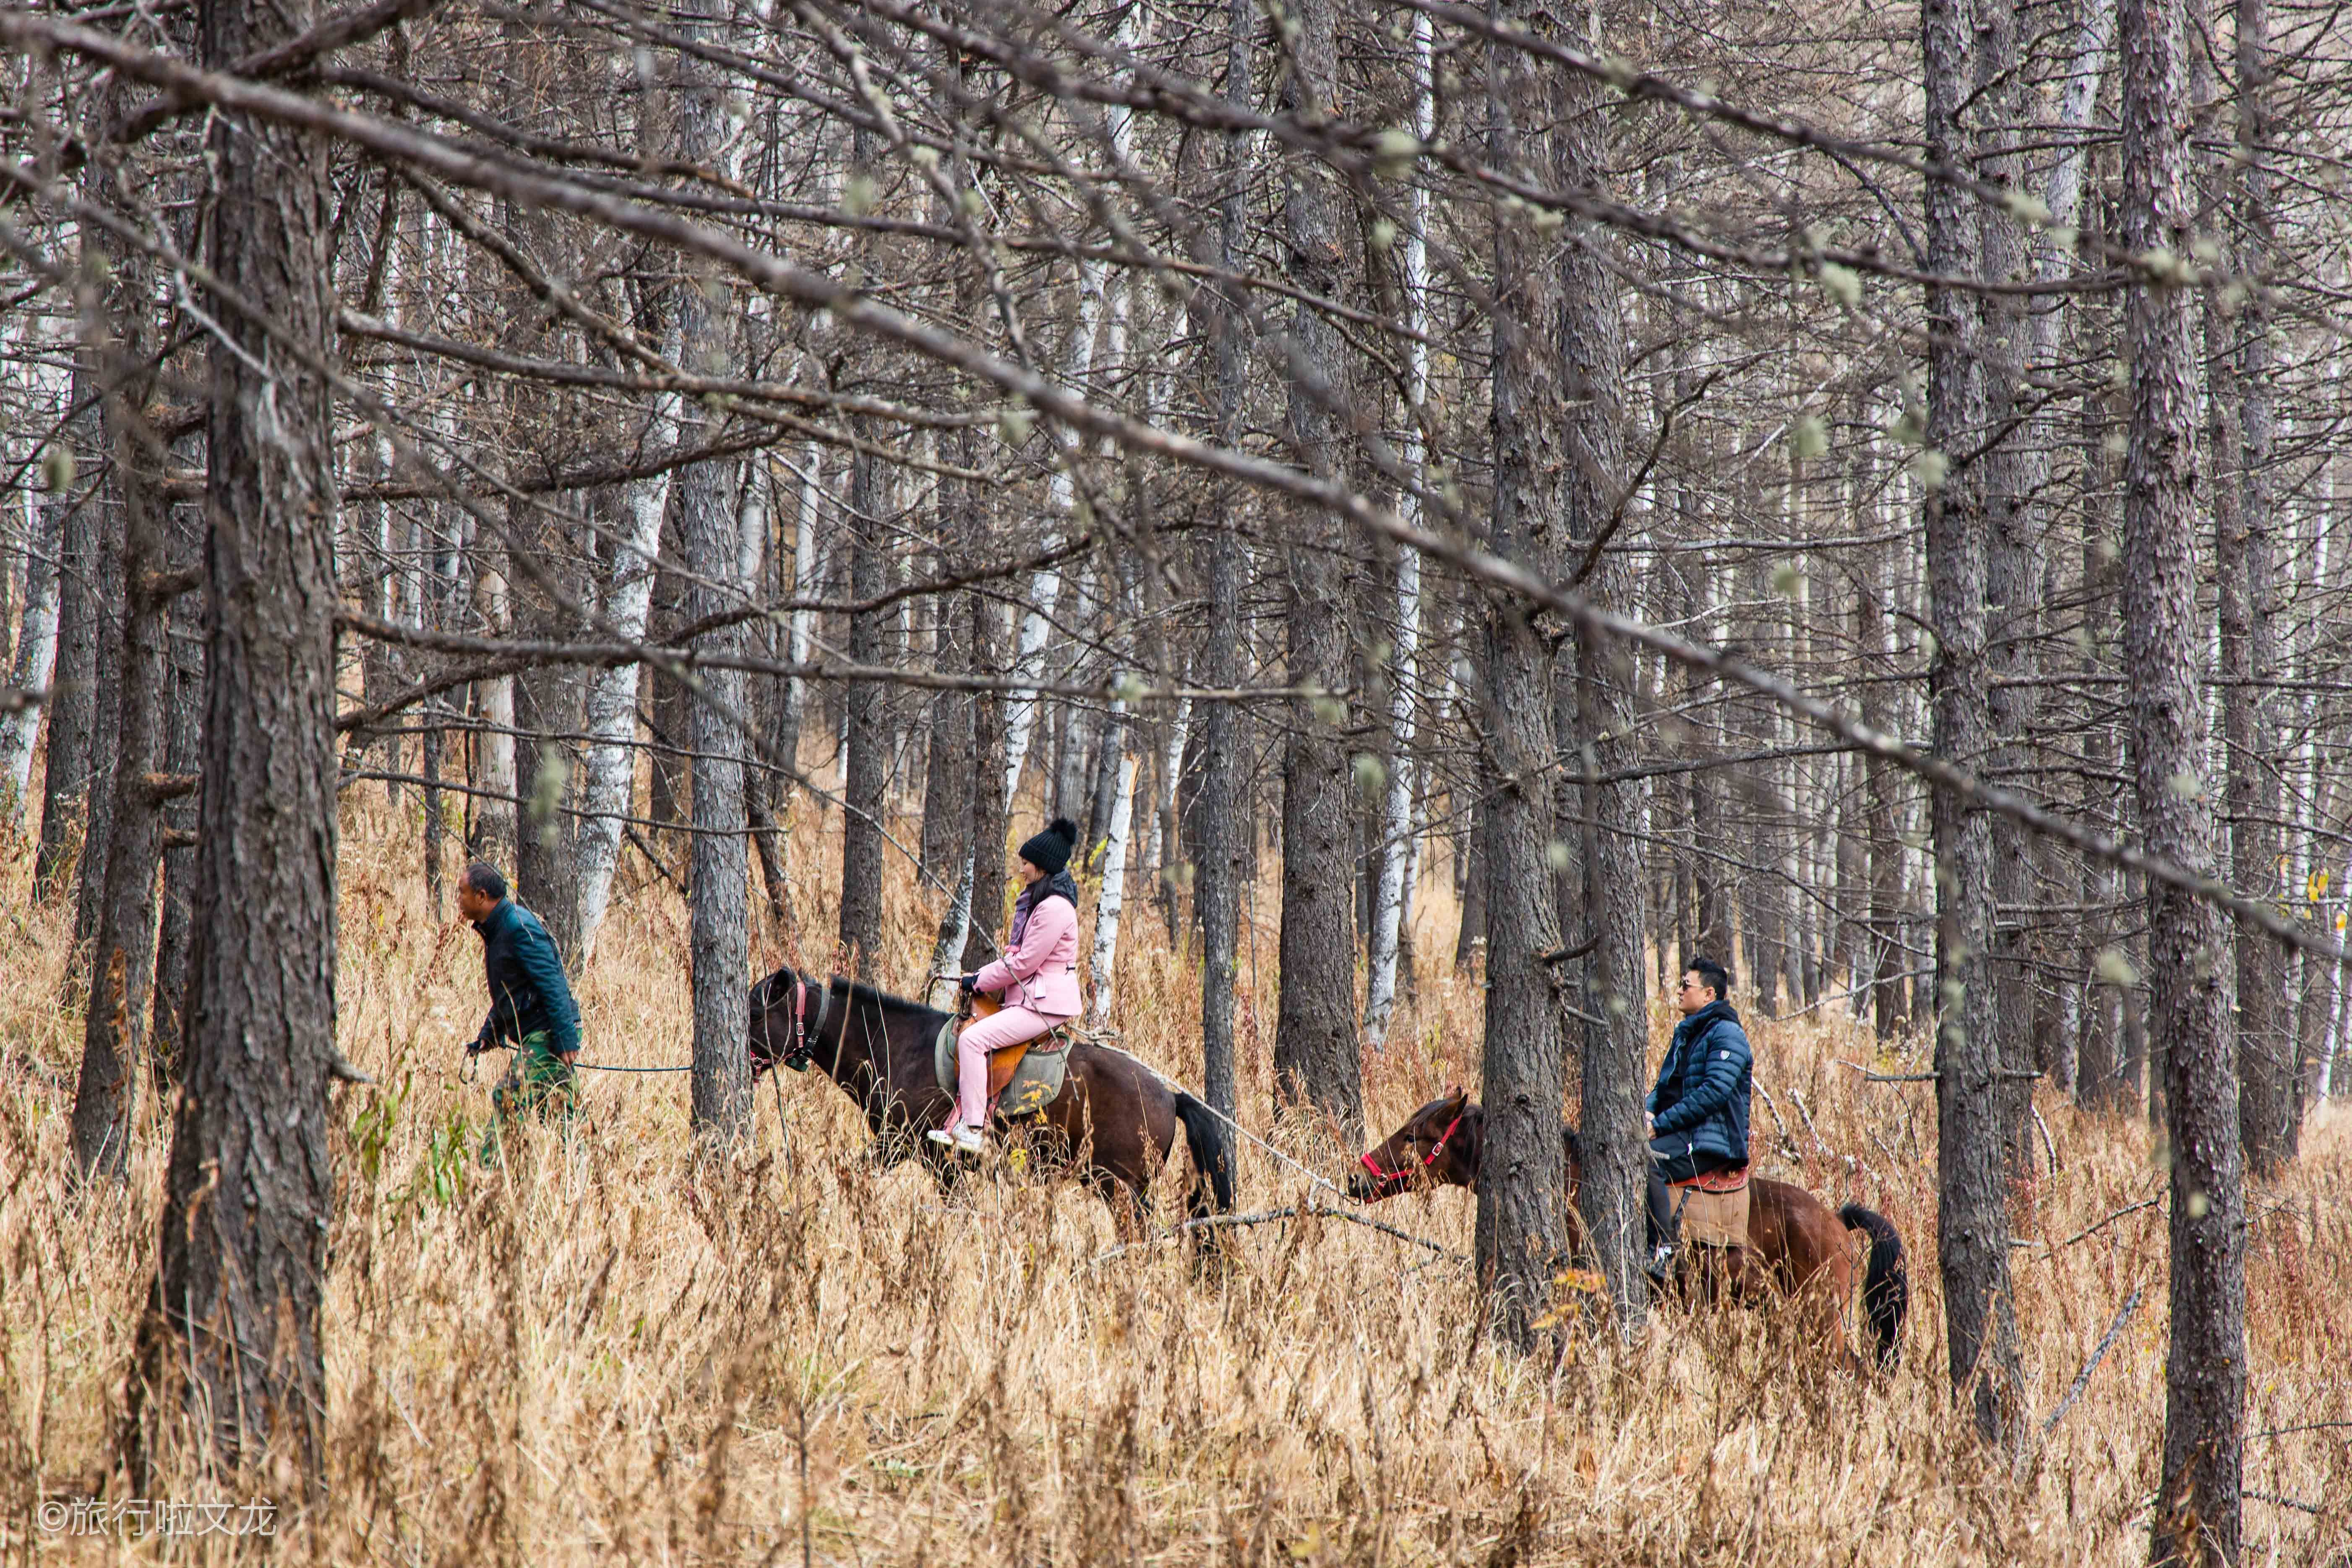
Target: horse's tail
pixel 1213 1166
pixel 1886 1280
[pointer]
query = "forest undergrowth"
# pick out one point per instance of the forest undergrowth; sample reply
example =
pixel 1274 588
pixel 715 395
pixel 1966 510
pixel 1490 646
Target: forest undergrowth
pixel 607 1351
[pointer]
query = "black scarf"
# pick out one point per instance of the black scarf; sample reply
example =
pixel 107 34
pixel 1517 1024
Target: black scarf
pixel 1061 884
pixel 1705 1018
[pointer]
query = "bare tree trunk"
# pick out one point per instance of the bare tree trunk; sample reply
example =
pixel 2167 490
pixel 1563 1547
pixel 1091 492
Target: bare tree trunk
pixel 2241 419
pixel 1886 959
pixel 248 1193
pixel 496 822
pixel 182 753
pixel 70 756
pixel 1470 936
pixel 1315 1059
pixel 1219 805
pixel 609 760
pixel 2196 1514
pixel 2011 480
pixel 720 888
pixel 865 794
pixel 1393 857
pixel 122 964
pixel 1610 1197
pixel 2107 1063
pixel 36 649
pixel 1111 899
pixel 1520 1229
pixel 1972 1099
pixel 988 805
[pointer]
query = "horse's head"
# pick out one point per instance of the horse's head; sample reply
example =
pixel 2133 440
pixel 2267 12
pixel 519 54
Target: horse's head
pixel 1437 1146
pixel 786 1009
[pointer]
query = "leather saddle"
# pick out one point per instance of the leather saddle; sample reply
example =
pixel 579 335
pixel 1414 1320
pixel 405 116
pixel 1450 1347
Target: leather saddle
pixel 1712 1210
pixel 1022 1079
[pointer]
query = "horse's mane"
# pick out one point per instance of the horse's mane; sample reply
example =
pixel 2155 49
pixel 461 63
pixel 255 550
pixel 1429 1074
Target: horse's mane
pixel 857 991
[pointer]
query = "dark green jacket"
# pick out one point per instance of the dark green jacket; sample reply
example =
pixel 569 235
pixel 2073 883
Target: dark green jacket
pixel 528 992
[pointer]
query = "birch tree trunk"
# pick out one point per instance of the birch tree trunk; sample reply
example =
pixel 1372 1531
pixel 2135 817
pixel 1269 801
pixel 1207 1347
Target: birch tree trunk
pixel 497 820
pixel 1395 856
pixel 1111 897
pixel 36 651
pixel 609 760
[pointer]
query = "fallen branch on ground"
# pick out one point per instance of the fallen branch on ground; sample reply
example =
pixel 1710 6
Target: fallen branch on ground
pixel 2107 1341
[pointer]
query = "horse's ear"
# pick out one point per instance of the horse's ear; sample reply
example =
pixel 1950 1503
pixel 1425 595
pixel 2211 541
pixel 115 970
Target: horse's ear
pixel 1457 1092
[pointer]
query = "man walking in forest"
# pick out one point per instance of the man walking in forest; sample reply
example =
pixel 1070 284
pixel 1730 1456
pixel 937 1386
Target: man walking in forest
pixel 530 1004
pixel 1697 1113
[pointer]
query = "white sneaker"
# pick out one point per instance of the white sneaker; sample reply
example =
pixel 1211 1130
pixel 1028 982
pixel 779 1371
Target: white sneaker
pixel 963 1140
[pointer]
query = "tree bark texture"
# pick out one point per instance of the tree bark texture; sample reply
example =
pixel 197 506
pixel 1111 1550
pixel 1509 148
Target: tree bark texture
pixel 1317 1060
pixel 2012 476
pixel 182 755
pixel 36 649
pixel 1520 1229
pixel 2270 1108
pixel 720 888
pixel 1609 1198
pixel 1972 1099
pixel 988 807
pixel 122 962
pixel 1219 806
pixel 2196 1512
pixel 866 792
pixel 248 1191
pixel 67 764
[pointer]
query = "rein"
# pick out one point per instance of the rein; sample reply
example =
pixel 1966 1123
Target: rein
pixel 1436 1152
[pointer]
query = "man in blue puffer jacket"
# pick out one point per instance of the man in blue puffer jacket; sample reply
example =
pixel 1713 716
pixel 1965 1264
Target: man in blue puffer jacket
pixel 1699 1111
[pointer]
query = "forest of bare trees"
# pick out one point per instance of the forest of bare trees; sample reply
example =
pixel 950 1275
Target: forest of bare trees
pixel 1852 493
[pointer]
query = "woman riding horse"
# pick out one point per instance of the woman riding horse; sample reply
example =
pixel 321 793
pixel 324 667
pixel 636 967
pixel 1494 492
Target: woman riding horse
pixel 1037 977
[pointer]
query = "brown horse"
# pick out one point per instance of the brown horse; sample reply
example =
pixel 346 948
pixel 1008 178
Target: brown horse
pixel 1115 1120
pixel 1796 1247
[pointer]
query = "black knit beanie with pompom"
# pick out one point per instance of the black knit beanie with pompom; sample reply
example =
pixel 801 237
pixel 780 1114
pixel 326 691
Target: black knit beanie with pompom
pixel 1050 851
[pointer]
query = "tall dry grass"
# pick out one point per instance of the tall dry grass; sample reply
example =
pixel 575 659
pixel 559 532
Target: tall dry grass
pixel 608 1352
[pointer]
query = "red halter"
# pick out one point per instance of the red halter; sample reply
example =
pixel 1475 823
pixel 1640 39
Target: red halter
pixel 1436 1152
pixel 804 1034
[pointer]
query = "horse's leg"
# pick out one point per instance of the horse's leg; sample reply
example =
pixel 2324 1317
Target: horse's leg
pixel 1130 1209
pixel 1821 1277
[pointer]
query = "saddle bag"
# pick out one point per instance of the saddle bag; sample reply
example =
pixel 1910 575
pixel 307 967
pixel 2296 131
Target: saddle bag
pixel 1712 1210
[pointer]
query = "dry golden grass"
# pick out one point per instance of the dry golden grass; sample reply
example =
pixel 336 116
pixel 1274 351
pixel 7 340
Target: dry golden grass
pixel 608 1352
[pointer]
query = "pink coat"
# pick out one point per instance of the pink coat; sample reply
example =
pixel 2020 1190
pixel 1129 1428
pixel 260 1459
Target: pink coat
pixel 1040 972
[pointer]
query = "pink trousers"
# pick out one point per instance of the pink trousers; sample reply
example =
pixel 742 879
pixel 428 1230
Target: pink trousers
pixel 982 1036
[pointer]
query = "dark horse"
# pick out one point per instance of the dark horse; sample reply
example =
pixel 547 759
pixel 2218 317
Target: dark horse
pixel 1115 1119
pixel 1796 1247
